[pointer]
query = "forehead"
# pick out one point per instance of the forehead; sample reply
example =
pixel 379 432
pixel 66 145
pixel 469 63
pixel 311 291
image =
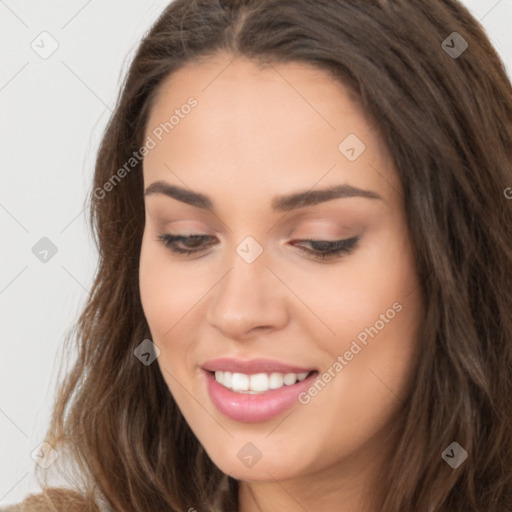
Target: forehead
pixel 275 124
pixel 302 89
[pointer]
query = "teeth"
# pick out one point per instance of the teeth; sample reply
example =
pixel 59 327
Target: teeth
pixel 290 378
pixel 259 382
pixel 240 382
pixel 276 380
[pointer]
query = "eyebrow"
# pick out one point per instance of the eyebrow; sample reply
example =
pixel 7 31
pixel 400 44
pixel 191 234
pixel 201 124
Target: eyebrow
pixel 283 203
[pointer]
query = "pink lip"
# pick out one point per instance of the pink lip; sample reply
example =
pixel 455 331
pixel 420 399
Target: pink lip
pixel 249 408
pixel 252 366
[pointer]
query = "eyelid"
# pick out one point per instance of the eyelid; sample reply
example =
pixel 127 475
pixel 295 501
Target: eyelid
pixel 334 249
pixel 187 227
pixel 339 248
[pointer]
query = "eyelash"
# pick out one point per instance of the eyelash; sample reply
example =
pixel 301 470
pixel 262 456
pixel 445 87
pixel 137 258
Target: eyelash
pixel 336 248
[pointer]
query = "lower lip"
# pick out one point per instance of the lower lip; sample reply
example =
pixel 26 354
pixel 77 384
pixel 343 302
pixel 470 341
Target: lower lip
pixel 250 408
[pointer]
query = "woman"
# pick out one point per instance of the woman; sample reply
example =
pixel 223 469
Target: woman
pixel 304 295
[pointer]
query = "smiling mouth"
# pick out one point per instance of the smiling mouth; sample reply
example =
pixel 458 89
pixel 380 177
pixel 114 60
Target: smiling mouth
pixel 258 383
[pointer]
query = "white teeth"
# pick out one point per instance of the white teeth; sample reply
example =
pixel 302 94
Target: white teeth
pixel 290 378
pixel 257 383
pixel 276 380
pixel 240 382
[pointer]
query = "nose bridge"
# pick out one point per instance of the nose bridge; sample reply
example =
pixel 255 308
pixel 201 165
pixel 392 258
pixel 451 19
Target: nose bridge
pixel 248 296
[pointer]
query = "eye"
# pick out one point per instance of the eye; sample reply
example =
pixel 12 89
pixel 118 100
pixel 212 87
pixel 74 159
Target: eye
pixel 323 249
pixel 329 249
pixel 193 243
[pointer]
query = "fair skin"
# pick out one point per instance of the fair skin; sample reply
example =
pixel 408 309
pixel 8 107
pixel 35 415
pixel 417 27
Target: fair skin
pixel 257 133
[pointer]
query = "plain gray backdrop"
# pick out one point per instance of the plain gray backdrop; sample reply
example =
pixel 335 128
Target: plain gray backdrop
pixel 62 62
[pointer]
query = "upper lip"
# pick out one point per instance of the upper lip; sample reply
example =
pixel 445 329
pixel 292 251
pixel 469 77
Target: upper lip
pixel 252 366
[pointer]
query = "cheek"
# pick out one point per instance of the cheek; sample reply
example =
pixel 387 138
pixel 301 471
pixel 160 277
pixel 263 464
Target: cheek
pixel 166 291
pixel 156 291
pixel 170 298
pixel 376 313
pixel 367 389
pixel 351 296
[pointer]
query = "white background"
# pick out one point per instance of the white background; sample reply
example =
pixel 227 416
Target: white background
pixel 53 112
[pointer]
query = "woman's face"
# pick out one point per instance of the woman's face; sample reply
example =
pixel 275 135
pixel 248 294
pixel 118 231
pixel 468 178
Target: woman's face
pixel 245 165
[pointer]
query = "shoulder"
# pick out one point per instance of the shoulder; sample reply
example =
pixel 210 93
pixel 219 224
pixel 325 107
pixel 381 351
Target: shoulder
pixel 54 499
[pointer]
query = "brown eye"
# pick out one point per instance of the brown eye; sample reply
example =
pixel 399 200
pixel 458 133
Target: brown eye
pixel 192 243
pixel 325 249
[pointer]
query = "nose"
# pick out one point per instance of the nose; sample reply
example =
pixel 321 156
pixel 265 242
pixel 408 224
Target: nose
pixel 248 300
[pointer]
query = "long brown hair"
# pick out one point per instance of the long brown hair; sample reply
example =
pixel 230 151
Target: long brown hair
pixel 447 120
